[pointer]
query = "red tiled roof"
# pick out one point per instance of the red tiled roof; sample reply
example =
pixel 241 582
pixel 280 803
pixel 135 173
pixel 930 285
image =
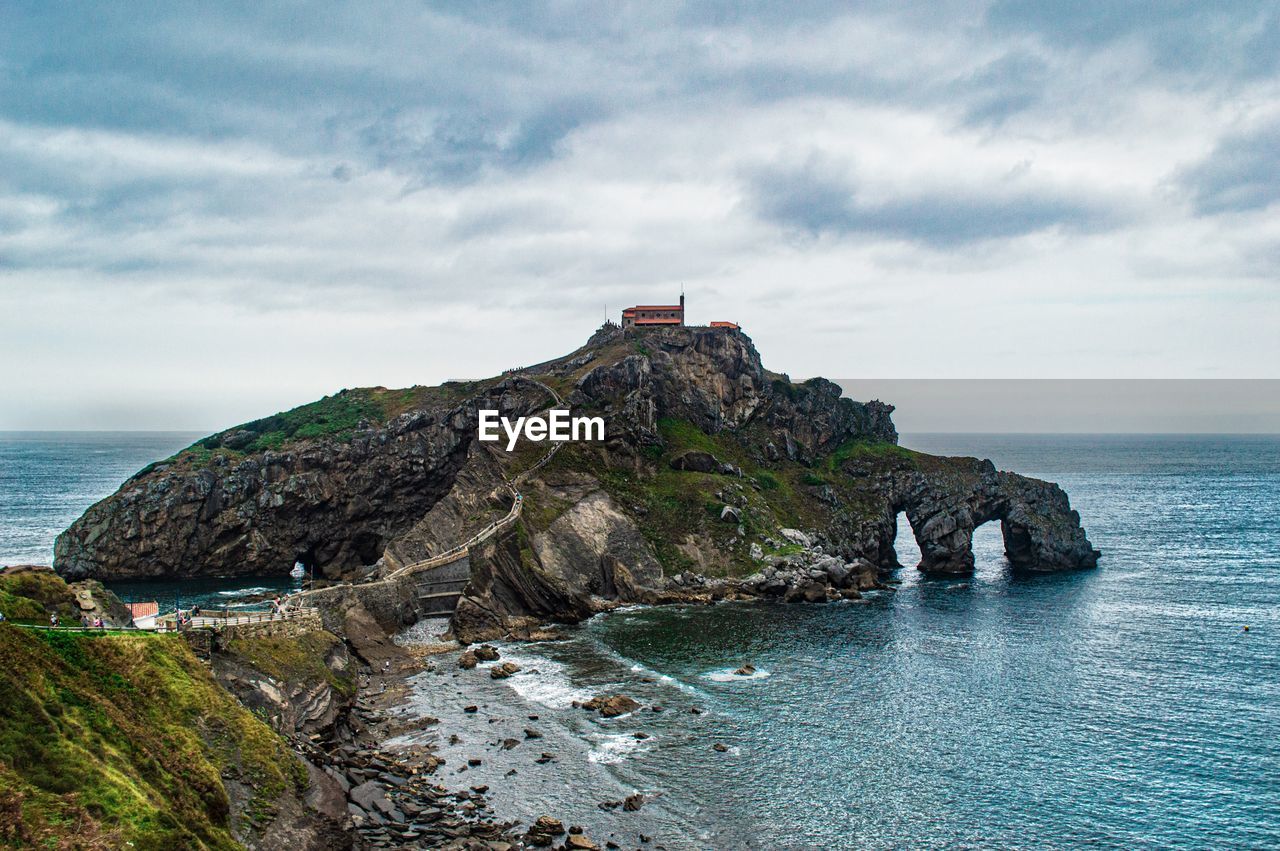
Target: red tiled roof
pixel 724 325
pixel 143 610
pixel 665 321
pixel 653 307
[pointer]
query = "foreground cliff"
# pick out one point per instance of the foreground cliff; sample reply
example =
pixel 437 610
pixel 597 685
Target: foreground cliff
pixel 115 740
pixel 712 466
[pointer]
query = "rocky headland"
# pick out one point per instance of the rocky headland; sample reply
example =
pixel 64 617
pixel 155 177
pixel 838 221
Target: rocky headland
pixel 716 477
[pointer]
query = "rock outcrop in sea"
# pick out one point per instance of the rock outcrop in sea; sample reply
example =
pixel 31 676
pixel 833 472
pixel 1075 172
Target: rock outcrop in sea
pixel 714 470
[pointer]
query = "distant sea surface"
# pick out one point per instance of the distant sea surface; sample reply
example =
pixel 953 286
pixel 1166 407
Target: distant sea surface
pixel 49 478
pixel 1124 707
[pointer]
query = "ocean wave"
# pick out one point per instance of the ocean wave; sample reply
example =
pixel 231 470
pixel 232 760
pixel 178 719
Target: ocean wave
pixel 637 667
pixel 244 592
pixel 727 675
pixel 542 680
pixel 612 748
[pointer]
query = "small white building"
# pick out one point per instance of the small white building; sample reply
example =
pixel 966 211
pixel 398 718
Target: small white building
pixel 144 614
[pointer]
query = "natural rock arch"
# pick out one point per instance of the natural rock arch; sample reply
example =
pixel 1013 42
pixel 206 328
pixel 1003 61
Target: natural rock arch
pixel 1041 531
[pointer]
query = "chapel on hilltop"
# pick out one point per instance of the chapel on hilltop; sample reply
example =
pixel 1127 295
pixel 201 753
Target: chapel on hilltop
pixel 646 315
pixel 662 315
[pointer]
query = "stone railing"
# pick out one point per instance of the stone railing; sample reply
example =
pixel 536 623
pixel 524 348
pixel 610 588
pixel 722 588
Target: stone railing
pixel 245 617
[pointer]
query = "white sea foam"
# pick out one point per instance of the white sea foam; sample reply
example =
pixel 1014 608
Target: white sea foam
pixel 611 748
pixel 666 679
pixel 244 592
pixel 727 675
pixel 543 681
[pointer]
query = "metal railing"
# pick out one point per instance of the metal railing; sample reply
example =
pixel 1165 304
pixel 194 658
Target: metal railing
pixel 168 623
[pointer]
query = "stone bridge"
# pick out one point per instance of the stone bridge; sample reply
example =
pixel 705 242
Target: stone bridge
pixel 440 588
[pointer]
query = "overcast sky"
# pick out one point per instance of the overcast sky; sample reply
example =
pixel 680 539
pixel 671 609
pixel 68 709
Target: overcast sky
pixel 212 211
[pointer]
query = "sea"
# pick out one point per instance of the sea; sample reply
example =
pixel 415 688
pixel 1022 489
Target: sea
pixel 1126 707
pixel 49 478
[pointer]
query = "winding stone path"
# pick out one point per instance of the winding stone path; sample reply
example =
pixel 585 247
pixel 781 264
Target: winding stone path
pixel 463 550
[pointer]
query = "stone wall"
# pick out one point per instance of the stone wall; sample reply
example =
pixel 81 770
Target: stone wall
pixel 290 627
pixel 393 603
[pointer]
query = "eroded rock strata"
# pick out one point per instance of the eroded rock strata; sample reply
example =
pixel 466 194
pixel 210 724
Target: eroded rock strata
pixel 708 458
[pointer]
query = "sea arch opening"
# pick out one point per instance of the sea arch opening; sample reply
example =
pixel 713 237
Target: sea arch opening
pixel 956 542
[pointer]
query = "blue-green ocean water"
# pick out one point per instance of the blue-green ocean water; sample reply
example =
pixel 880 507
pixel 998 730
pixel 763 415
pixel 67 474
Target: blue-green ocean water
pixel 1119 708
pixel 48 479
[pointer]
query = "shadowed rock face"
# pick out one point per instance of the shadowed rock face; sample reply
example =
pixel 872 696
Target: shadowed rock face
pixel 714 379
pixel 334 504
pixel 403 490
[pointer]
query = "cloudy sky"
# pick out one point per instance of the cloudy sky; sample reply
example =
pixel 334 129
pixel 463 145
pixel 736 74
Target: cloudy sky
pixel 209 212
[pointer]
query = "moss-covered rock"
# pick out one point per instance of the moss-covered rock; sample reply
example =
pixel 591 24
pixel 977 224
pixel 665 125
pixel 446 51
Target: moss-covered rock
pixel 297 683
pixel 108 740
pixel 124 740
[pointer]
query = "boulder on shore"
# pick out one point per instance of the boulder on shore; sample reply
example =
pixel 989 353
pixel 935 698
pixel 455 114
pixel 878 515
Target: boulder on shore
pixel 611 706
pixel 503 670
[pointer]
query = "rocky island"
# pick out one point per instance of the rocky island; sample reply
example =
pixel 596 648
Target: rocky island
pixel 715 471
pixel 716 480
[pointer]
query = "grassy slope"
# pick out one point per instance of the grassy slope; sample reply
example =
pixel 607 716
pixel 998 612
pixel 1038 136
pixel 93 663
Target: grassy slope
pixel 334 417
pixel 29 597
pixel 297 659
pixel 673 505
pixel 115 738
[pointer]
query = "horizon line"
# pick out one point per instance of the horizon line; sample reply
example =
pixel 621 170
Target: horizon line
pixel 929 431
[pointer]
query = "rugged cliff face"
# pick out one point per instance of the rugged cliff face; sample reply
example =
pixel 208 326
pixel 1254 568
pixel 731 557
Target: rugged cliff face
pixel 708 459
pixel 328 498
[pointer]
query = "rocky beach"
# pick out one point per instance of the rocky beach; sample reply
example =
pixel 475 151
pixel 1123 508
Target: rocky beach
pixel 444 746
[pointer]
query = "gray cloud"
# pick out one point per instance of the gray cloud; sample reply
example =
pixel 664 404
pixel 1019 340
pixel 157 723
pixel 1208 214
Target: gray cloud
pixel 457 146
pixel 817 199
pixel 1003 88
pixel 1204 40
pixel 1242 173
pixel 436 188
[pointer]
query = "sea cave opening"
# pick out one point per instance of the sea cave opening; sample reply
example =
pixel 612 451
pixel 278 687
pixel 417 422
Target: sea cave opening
pixel 904 544
pixel 988 548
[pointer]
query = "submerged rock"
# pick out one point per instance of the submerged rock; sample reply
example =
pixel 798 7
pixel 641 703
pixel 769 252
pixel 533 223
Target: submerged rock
pixel 611 706
pixel 485 653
